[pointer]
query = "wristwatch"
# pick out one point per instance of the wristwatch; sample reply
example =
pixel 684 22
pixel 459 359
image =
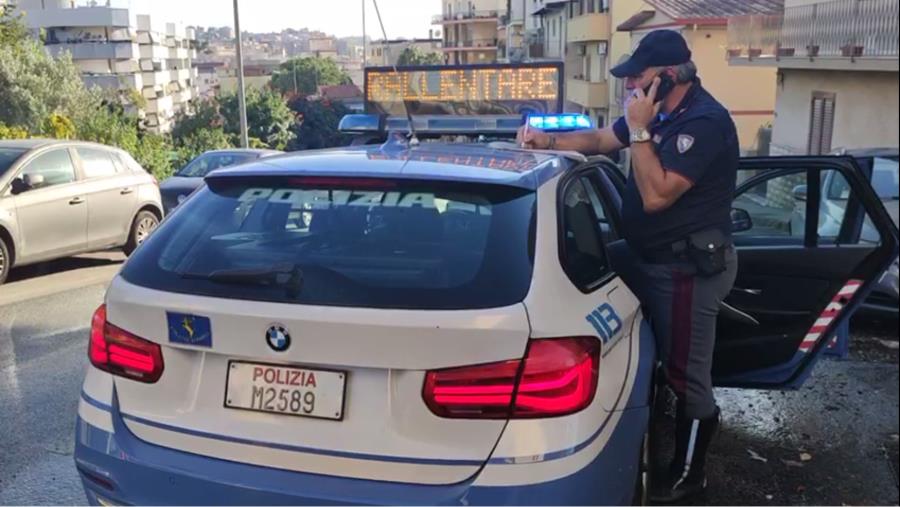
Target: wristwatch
pixel 640 135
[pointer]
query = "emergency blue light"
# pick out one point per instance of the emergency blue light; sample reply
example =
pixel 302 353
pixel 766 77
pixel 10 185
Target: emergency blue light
pixel 558 122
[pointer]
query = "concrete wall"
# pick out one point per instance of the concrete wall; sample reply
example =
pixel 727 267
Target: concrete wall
pixel 866 109
pixel 620 45
pixel 748 92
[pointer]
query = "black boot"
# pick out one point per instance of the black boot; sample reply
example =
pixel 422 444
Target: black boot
pixel 686 477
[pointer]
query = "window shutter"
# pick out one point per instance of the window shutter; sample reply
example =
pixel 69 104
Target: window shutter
pixel 815 128
pixel 827 124
pixel 821 123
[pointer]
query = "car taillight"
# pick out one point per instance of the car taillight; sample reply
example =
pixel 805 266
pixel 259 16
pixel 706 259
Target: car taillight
pixel 121 353
pixel 557 377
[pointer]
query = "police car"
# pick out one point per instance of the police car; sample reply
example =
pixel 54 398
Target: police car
pixel 433 323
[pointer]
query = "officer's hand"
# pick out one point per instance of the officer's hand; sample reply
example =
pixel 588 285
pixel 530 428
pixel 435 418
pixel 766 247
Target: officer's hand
pixel 640 109
pixel 532 138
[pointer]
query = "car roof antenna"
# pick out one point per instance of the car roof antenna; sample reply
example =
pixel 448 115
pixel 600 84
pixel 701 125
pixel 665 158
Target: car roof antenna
pixel 413 139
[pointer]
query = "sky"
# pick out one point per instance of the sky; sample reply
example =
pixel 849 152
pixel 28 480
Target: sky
pixel 402 18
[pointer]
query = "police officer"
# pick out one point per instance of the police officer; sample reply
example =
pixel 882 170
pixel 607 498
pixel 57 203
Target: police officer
pixel 677 254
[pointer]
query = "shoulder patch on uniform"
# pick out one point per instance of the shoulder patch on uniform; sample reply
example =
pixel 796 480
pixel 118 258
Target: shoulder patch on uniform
pixel 684 142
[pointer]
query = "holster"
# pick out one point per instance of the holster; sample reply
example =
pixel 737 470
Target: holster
pixel 706 250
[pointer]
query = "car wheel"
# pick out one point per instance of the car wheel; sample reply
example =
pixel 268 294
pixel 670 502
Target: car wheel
pixel 144 224
pixel 5 261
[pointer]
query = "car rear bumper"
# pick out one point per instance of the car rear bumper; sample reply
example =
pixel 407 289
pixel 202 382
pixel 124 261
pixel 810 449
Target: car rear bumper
pixel 117 468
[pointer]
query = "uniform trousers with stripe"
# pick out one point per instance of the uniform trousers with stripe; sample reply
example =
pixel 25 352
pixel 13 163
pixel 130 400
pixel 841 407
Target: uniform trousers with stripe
pixel 682 307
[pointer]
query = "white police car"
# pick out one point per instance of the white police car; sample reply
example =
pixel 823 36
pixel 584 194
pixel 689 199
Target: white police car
pixel 431 324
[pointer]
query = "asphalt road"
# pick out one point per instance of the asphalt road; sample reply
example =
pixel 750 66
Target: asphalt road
pixel 833 442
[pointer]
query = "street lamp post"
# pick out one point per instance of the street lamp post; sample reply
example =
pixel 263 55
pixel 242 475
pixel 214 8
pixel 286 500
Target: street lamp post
pixel 242 98
pixel 365 42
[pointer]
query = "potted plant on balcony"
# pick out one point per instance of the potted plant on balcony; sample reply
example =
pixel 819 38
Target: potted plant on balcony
pixel 734 52
pixel 786 51
pixel 812 50
pixel 852 51
pixel 754 52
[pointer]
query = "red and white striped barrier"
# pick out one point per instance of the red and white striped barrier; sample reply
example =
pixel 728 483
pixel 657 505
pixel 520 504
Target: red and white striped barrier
pixel 831 312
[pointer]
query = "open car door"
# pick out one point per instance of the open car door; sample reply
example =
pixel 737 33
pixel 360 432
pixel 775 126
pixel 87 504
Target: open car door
pixel 807 259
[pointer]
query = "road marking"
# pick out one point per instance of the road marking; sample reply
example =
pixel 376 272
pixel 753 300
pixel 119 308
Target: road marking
pixel 56 283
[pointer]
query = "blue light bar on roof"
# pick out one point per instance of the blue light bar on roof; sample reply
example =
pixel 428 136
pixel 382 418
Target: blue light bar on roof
pixel 433 125
pixel 558 122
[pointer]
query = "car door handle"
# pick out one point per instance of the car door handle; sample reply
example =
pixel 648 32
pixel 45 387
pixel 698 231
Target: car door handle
pixel 126 191
pixel 76 200
pixel 752 292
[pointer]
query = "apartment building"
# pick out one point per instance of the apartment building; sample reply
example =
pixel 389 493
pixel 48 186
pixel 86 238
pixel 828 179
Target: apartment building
pixel 578 33
pixel 383 53
pixel 116 49
pixel 587 37
pixel 471 30
pixel 515 32
pixel 837 72
pixel 749 91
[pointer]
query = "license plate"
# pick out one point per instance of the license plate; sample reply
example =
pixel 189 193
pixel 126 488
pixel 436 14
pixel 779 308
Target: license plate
pixel 287 390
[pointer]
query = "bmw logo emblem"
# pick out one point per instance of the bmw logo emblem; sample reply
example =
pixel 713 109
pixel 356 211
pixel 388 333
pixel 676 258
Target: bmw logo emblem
pixel 278 338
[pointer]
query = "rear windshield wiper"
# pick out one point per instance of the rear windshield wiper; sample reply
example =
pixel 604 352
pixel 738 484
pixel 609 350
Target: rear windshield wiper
pixel 286 275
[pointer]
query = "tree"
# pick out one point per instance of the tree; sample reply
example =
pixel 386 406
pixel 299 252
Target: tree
pixel 35 85
pixel 317 124
pixel 199 141
pixel 108 124
pixel 12 132
pixel 42 95
pixel 206 116
pixel 415 56
pixel 269 118
pixel 303 76
pixel 12 29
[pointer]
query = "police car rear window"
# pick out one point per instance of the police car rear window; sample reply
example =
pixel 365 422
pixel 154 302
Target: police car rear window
pixel 345 242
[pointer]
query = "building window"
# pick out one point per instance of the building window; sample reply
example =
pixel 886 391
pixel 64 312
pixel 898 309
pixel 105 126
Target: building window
pixel 591 6
pixel 821 123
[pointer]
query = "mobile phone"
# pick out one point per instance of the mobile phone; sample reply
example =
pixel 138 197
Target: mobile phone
pixel 666 85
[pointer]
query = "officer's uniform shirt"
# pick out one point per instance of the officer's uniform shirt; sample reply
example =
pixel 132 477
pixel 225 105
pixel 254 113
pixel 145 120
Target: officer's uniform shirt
pixel 699 141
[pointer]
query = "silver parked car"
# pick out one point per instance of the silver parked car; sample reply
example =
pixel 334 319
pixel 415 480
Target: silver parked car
pixel 183 183
pixel 62 198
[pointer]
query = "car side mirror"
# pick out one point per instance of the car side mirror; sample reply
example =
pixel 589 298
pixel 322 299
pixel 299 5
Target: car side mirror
pixel 740 220
pixel 34 180
pixel 18 186
pixel 799 193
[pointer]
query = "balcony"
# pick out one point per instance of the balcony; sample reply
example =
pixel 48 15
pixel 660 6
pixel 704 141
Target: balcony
pixel 96 50
pixel 155 78
pixel 78 17
pixel 113 81
pixel 836 35
pixel 154 52
pixel 471 45
pixel 466 17
pixel 161 106
pixel 589 27
pixel 587 93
